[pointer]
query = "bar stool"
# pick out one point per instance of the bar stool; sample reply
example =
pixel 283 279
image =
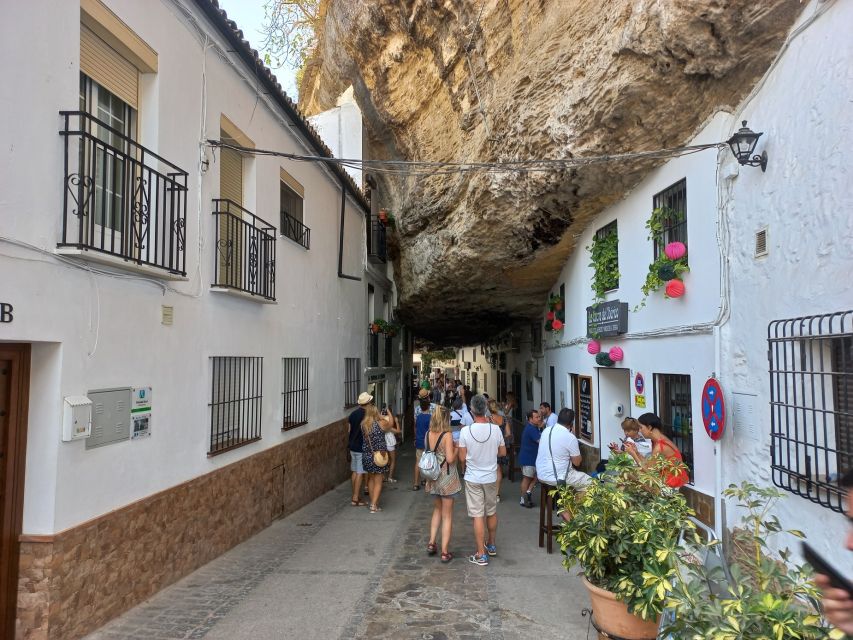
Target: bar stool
pixel 546 517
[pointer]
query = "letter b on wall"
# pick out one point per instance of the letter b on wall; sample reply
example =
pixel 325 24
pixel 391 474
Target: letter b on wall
pixel 6 312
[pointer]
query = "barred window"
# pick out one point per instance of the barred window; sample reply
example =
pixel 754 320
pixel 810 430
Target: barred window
pixel 235 405
pixel 674 199
pixel 352 381
pixel 673 405
pixel 294 392
pixel 811 405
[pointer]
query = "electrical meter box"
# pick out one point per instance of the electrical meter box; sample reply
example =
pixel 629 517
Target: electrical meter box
pixel 76 418
pixel 110 416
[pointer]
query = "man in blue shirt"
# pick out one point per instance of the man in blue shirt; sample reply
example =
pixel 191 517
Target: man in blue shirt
pixel 527 456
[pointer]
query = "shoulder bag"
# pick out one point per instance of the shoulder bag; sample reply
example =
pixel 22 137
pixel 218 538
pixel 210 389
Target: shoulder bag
pixel 560 482
pixel 380 458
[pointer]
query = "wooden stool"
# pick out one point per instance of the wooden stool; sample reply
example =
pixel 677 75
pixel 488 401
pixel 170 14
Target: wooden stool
pixel 546 516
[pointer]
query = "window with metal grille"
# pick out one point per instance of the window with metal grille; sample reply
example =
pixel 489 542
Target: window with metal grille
pixel 674 200
pixel 536 332
pixel 811 405
pixel 672 404
pixel 373 349
pixel 235 402
pixel 294 393
pixel 290 207
pixel 352 381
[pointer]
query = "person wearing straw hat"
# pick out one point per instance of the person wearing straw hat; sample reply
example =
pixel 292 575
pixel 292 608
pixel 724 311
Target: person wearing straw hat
pixel 356 442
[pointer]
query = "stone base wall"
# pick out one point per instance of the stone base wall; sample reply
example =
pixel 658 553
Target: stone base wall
pixel 75 581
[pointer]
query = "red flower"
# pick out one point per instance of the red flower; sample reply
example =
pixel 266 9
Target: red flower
pixel 557 325
pixel 549 315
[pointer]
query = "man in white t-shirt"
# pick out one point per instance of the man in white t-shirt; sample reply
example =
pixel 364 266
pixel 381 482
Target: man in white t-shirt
pixel 480 444
pixel 559 454
pixel 549 418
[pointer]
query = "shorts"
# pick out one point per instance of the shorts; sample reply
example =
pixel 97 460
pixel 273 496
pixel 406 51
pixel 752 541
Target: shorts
pixel 528 471
pixel 481 499
pixel 356 465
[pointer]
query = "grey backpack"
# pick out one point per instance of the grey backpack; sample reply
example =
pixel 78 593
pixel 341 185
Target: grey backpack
pixel 428 464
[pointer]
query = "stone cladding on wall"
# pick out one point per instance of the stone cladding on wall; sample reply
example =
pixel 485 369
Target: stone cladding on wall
pixel 77 580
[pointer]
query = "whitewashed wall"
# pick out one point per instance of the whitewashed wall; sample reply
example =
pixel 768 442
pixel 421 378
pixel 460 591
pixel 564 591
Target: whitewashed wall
pixel 94 332
pixel 805 199
pixel 341 129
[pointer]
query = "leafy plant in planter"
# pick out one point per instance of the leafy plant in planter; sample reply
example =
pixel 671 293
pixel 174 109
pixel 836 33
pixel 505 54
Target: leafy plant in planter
pixel 769 598
pixel 663 269
pixel 604 260
pixel 624 532
pixel 379 325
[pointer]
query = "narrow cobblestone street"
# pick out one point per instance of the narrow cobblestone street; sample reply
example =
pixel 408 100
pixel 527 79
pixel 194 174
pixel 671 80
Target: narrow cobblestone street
pixel 335 571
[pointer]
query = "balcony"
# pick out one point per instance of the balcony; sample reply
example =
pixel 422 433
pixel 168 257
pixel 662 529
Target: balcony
pixel 376 242
pixel 245 251
pixel 120 200
pixel 295 230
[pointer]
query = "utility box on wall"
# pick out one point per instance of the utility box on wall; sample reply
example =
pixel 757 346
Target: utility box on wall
pixel 76 418
pixel 110 416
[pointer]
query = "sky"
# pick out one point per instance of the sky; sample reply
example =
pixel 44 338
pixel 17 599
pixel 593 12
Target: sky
pixel 249 16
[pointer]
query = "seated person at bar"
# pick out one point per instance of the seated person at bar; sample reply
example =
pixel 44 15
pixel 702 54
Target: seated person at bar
pixel 559 453
pixel 631 428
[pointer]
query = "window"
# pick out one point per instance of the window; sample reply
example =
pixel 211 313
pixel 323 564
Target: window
pixel 811 405
pixel 352 381
pixel 373 349
pixel 502 386
pixel 536 334
pixel 235 404
pixel 389 351
pixel 485 383
pixel 474 354
pixel 294 392
pixel 674 200
pixel 291 195
pixel 672 404
pixel 605 255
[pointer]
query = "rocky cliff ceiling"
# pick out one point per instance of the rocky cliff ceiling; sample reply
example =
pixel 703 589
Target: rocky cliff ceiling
pixel 487 80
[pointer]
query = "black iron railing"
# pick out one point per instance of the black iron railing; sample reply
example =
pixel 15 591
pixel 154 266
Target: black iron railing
pixel 377 250
pixel 245 251
pixel 295 392
pixel 352 381
pixel 235 402
pixel 295 230
pixel 373 349
pixel 120 198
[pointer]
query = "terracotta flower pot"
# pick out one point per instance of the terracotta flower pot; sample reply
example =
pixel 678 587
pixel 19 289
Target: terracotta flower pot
pixel 611 615
pixel 374 328
pixel 558 306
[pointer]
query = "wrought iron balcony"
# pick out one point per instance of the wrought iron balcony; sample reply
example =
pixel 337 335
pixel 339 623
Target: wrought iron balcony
pixel 119 198
pixel 295 230
pixel 376 242
pixel 245 251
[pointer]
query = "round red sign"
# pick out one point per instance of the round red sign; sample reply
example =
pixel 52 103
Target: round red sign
pixel 713 409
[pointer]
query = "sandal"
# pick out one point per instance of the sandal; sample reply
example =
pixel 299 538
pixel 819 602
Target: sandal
pixel 375 509
pixel 357 503
pixel 432 549
pixel 446 557
pixel 416 487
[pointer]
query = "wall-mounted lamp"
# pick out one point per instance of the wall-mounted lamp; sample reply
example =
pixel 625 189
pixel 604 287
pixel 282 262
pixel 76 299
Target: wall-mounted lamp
pixel 743 144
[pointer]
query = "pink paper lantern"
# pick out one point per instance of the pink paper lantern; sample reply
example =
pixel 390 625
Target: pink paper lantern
pixel 549 315
pixel 675 288
pixel 675 250
pixel 557 325
pixel 593 347
pixel 616 354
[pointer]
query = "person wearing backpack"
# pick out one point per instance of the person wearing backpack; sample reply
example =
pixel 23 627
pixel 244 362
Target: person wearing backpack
pixel 439 460
pixel 423 415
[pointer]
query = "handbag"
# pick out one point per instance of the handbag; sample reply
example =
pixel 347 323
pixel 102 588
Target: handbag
pixel 380 458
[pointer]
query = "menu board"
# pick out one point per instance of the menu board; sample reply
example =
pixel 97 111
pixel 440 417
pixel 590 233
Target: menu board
pixel 585 408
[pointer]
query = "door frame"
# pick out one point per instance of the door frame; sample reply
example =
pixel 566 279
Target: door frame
pixel 11 519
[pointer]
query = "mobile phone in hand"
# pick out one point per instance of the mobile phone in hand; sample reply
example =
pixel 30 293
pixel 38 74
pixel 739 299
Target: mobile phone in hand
pixel 820 564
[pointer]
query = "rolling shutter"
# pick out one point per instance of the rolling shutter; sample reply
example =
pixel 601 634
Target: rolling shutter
pixel 108 68
pixel 230 227
pixel 231 176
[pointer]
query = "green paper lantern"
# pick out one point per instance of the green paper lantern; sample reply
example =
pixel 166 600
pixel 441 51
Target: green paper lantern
pixel 603 359
pixel 548 326
pixel 666 272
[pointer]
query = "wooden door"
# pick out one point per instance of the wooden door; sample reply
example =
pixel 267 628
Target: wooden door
pixel 14 399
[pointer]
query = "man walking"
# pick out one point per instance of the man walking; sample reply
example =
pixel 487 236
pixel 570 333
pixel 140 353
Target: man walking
pixel 527 456
pixel 549 418
pixel 356 439
pixel 480 444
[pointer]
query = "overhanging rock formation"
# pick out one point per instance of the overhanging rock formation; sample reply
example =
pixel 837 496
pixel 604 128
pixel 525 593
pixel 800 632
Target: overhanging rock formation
pixel 489 80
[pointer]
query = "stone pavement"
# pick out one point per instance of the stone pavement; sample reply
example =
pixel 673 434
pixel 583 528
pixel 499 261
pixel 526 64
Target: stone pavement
pixel 331 570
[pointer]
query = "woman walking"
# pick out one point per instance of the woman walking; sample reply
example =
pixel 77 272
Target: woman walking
pixel 374 448
pixel 652 429
pixel 446 487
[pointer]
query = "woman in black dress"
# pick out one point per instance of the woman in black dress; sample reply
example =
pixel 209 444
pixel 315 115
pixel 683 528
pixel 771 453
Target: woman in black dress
pixel 373 426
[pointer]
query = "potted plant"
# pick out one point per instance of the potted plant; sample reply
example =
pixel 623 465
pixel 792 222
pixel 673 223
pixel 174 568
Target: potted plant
pixel 555 302
pixel 671 264
pixel 623 532
pixel 390 329
pixel 377 326
pixel 768 595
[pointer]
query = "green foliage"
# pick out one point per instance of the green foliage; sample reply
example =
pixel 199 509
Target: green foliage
pixel 769 598
pixel 604 259
pixel 442 355
pixel 290 33
pixel 660 218
pixel 624 531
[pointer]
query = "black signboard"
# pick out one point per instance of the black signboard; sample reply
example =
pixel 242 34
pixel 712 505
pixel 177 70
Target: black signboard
pixel 607 319
pixel 585 407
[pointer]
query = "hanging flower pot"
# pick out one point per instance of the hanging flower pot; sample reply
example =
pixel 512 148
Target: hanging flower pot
pixel 593 347
pixel 375 328
pixel 558 305
pixel 603 360
pixel 383 216
pixel 674 289
pixel 666 272
pixel 616 354
pixel 549 315
pixel 557 325
pixel 675 250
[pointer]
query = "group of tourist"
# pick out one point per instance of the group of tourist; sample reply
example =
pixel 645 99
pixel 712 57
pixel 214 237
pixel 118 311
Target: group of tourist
pixel 468 442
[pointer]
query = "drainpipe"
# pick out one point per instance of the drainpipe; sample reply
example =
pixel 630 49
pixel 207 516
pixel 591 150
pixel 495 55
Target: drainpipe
pixel 718 451
pixel 341 273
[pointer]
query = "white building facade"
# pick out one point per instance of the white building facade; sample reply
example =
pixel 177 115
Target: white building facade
pixel 205 305
pixel 767 309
